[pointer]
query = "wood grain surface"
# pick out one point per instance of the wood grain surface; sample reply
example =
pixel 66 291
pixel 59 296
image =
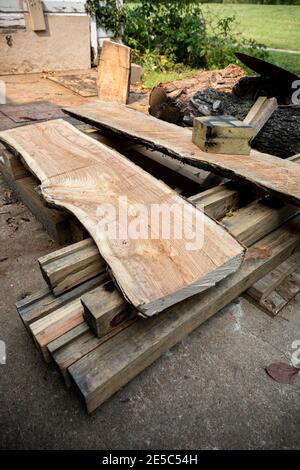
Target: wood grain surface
pixel 81 175
pixel 272 174
pixel 114 72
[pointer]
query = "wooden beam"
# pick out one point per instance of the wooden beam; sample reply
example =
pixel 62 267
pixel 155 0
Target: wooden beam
pixel 258 218
pixel 41 303
pixel 114 72
pixel 54 221
pixel 271 174
pixel 105 308
pixel 55 324
pixel 83 176
pixel 66 268
pixel 101 373
pixel 262 288
pixel 66 351
pixel 260 113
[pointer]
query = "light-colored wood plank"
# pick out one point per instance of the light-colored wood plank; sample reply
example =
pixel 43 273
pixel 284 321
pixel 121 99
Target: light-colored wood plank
pixel 114 72
pixel 260 113
pixel 82 175
pixel 99 374
pixel 40 304
pixel 272 174
pixel 55 324
pixel 72 265
pixel 69 266
pixel 104 308
pixel 256 219
pixel 36 14
pixel 264 286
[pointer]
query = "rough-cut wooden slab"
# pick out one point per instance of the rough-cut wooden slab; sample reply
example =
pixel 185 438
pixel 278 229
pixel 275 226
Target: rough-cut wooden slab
pixel 101 373
pixel 79 174
pixel 276 176
pixel 114 72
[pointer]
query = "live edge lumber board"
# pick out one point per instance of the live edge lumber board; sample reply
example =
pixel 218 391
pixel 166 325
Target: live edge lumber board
pixel 101 373
pixel 82 176
pixel 274 175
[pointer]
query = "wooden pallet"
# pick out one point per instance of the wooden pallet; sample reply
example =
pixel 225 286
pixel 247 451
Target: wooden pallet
pixel 98 343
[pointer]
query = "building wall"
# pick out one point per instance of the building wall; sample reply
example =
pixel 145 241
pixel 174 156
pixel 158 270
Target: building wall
pixel 65 44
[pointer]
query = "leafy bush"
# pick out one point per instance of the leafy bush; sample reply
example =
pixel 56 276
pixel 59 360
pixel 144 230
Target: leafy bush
pixel 172 34
pixel 222 43
pixel 174 29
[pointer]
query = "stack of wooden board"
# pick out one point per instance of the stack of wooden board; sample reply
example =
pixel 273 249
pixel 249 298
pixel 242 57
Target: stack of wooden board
pixel 153 271
pixel 99 363
pixel 93 335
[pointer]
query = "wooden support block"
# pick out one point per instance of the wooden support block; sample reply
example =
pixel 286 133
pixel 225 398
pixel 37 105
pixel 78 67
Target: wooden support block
pixel 278 298
pixel 41 303
pixel 222 134
pixel 217 201
pixel 65 268
pixel 105 308
pixel 55 324
pixel 36 14
pixel 114 72
pixel 66 352
pixel 260 113
pixel 12 165
pixel 53 221
pixel 264 286
pixel 257 219
pixel 101 373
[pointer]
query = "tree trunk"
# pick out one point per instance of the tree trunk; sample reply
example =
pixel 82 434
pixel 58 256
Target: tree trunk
pixel 168 100
pixel 280 136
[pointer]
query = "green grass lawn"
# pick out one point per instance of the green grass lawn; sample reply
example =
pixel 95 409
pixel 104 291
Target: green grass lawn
pixel 275 26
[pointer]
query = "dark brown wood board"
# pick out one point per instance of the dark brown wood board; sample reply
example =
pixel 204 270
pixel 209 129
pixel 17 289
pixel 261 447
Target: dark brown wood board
pixel 266 172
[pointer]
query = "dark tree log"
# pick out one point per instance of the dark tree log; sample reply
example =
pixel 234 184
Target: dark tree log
pixel 280 136
pixel 169 100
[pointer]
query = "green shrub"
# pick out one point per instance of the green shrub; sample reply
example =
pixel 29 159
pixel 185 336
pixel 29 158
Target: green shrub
pixel 174 29
pixel 171 34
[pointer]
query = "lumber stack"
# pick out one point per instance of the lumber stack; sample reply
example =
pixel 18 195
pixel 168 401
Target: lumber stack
pixel 58 224
pixel 153 271
pixel 98 343
pixel 90 330
pixel 102 355
pixel 264 172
